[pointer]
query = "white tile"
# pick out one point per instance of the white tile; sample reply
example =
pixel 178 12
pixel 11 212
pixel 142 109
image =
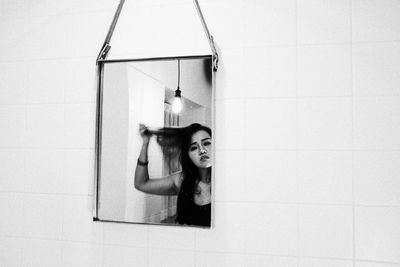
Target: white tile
pixel 375 20
pixel 123 43
pixel 82 254
pixel 42 253
pixel 270 124
pixel 44 170
pixel 140 3
pixel 45 39
pixel 49 8
pixel 230 118
pixel 78 224
pixel 207 259
pixel 272 22
pixel 46 81
pixel 179 31
pixel 47 42
pixel 229 175
pixel 12 28
pixel 78 172
pixel 374 264
pixel 11 251
pixel 229 31
pixel 325 123
pixel 227 235
pixel 377 123
pixel 325 177
pixel 171 258
pixel 45 126
pixel 76 6
pixel 326 231
pixel 376 69
pixel 324 70
pixel 11 208
pixel 80 81
pixel 12 172
pixel 270 176
pixel 172 238
pixel 12 121
pixel 125 234
pixel 43 216
pixel 124 256
pixel 271 229
pixel 80 124
pixel 326 21
pixel 230 76
pixel 304 262
pixel 377 234
pixel 17 44
pixel 261 261
pixel 12 9
pixel 376 178
pixel 91 24
pixel 13 78
pixel 190 32
pixel 269 72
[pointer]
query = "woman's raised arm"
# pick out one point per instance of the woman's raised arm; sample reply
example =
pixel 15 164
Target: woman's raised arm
pixel 168 185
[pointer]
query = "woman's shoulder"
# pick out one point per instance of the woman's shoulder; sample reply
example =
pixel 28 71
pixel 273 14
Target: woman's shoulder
pixel 178 178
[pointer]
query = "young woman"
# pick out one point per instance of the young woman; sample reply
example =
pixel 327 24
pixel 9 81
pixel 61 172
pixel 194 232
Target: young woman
pixel 192 184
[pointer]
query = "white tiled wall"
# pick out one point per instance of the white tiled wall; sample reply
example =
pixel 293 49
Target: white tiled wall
pixel 307 137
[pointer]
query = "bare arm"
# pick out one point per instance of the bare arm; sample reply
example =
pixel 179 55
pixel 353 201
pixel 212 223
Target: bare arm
pixel 168 185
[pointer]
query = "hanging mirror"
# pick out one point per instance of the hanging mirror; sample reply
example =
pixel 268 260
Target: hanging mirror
pixel 154 141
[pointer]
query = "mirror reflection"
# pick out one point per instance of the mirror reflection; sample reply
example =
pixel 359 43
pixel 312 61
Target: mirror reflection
pixel 156 149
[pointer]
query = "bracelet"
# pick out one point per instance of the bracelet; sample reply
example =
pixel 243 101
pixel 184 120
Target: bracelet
pixel 142 163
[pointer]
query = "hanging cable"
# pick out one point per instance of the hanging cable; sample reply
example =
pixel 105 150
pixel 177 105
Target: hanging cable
pixel 209 36
pixel 106 45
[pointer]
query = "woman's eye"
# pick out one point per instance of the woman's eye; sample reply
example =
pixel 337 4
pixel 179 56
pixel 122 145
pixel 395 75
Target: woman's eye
pixel 207 143
pixel 192 148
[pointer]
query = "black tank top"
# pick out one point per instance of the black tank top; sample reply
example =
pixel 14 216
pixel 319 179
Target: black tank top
pixel 196 215
pixel 202 215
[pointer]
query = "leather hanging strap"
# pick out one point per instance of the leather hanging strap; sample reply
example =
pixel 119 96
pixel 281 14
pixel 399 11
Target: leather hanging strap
pixel 106 45
pixel 209 36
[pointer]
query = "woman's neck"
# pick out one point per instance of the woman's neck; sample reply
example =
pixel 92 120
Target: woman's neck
pixel 205 175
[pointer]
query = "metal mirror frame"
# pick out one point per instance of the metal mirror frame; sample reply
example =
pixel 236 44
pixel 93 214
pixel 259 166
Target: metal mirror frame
pixel 98 145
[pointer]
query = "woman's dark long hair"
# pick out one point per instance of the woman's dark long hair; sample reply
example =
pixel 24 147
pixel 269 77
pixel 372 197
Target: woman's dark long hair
pixel 175 142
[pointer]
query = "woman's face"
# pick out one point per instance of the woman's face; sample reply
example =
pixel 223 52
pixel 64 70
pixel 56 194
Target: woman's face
pixel 200 149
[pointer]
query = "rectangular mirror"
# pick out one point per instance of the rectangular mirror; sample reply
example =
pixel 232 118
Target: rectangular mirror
pixel 154 160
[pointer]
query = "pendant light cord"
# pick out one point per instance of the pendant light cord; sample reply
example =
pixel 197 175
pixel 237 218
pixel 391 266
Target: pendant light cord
pixel 179 72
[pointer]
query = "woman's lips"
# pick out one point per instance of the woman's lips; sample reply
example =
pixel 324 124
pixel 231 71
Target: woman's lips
pixel 204 158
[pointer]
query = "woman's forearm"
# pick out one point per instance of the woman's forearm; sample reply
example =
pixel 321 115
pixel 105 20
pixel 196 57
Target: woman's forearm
pixel 142 172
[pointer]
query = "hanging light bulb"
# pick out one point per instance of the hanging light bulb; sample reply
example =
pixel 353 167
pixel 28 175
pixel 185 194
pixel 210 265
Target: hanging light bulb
pixel 177 103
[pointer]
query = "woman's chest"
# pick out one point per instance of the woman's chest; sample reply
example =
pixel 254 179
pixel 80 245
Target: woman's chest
pixel 203 196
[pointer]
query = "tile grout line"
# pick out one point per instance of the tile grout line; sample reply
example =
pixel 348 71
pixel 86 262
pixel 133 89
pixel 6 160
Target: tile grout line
pixel 245 124
pixel 352 136
pixel 195 256
pixel 23 231
pixel 147 246
pixel 297 136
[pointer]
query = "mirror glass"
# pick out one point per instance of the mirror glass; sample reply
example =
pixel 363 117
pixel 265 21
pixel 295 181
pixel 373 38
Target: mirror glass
pixel 154 160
